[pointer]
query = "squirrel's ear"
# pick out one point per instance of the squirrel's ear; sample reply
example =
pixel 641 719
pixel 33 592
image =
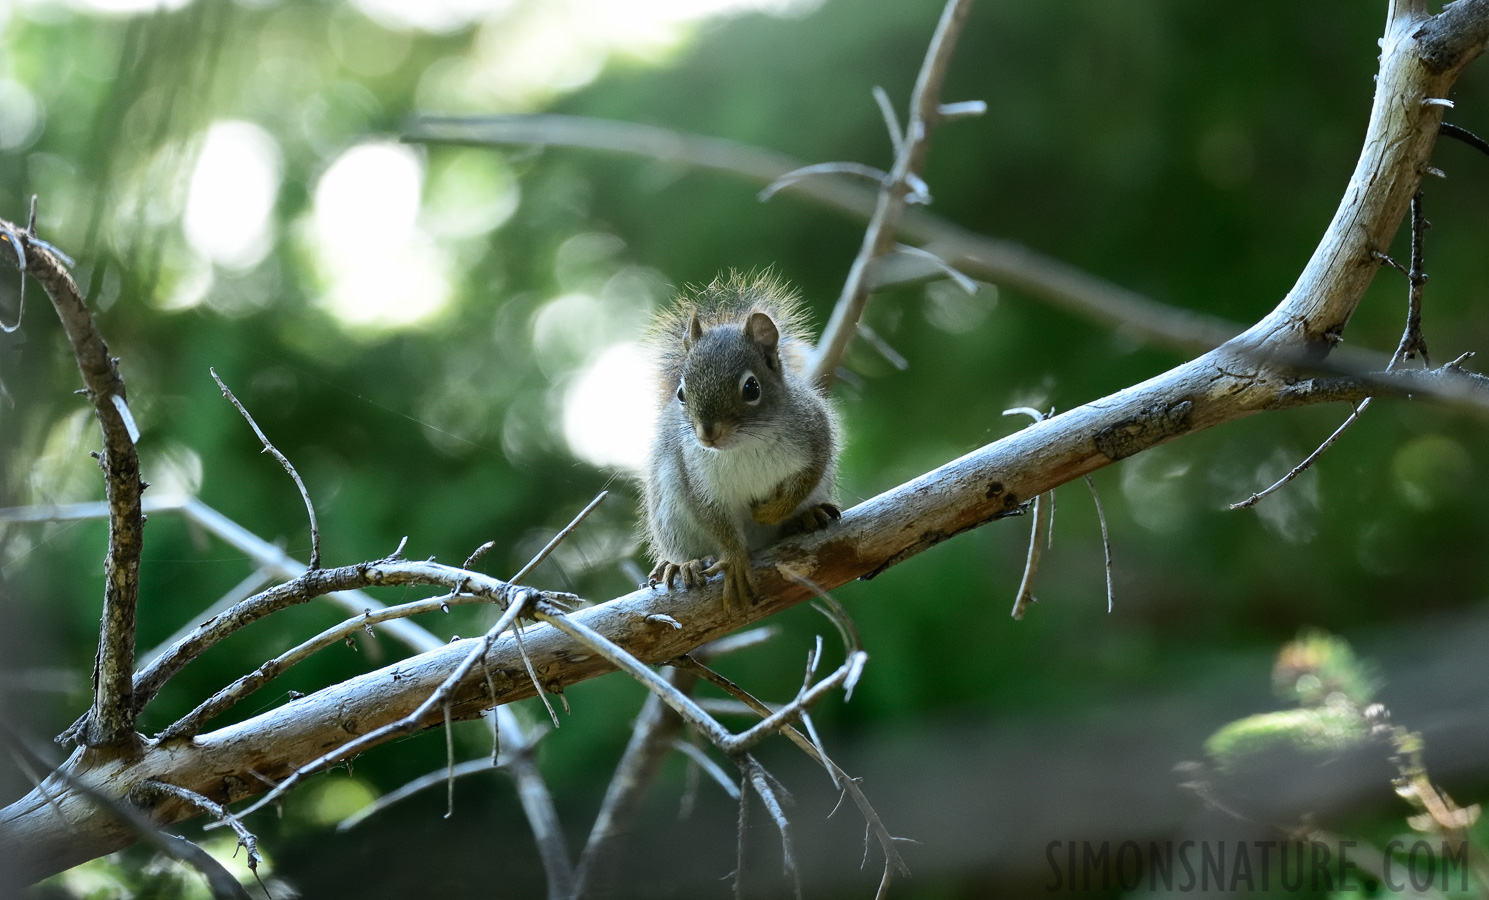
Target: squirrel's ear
pixel 760 329
pixel 695 331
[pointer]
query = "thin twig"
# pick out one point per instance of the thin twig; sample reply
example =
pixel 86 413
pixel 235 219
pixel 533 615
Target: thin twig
pixel 891 355
pixel 1412 339
pixel 532 675
pixel 315 531
pixel 449 766
pixel 559 538
pixel 1460 133
pixel 879 237
pixel 1041 524
pixel 967 285
pixel 1302 467
pixel 775 799
pixel 1025 595
pixel 1106 542
pixel 859 170
pixel 151 791
pixel 405 791
pixel 891 119
pixel 741 831
pixel 706 764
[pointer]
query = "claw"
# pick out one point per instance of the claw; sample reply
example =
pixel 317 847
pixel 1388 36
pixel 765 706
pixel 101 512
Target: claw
pixel 812 519
pixel 739 582
pixel 690 574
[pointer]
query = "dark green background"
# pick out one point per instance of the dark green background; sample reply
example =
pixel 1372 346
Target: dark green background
pixel 1192 152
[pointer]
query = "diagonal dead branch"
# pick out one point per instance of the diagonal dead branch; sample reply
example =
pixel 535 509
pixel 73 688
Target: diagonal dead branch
pixel 652 738
pixel 315 531
pixel 990 259
pixel 220 882
pixel 537 802
pixel 314 583
pixel 910 154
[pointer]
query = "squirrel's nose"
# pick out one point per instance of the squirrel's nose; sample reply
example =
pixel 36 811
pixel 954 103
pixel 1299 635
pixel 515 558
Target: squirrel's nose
pixel 710 432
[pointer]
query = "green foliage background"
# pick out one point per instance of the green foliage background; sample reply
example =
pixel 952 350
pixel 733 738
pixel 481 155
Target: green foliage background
pixel 1186 151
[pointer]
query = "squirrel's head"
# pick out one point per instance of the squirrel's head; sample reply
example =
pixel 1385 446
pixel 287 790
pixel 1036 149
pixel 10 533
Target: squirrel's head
pixel 731 378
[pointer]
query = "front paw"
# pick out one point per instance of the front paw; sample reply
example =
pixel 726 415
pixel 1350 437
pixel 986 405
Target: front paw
pixel 773 510
pixel 811 518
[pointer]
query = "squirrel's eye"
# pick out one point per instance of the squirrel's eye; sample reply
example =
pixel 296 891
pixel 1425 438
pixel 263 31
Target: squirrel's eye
pixel 749 389
pixel 682 396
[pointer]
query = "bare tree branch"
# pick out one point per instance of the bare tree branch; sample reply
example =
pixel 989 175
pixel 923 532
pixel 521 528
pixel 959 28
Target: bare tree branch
pixel 1224 385
pixel 110 721
pixel 537 802
pixel 1454 37
pixel 314 583
pixel 910 153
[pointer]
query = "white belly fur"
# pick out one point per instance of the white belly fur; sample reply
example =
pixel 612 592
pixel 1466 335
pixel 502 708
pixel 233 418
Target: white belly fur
pixel 742 474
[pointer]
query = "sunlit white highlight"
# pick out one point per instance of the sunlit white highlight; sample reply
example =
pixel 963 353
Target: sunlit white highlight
pixel 234 186
pixel 609 409
pixel 382 270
